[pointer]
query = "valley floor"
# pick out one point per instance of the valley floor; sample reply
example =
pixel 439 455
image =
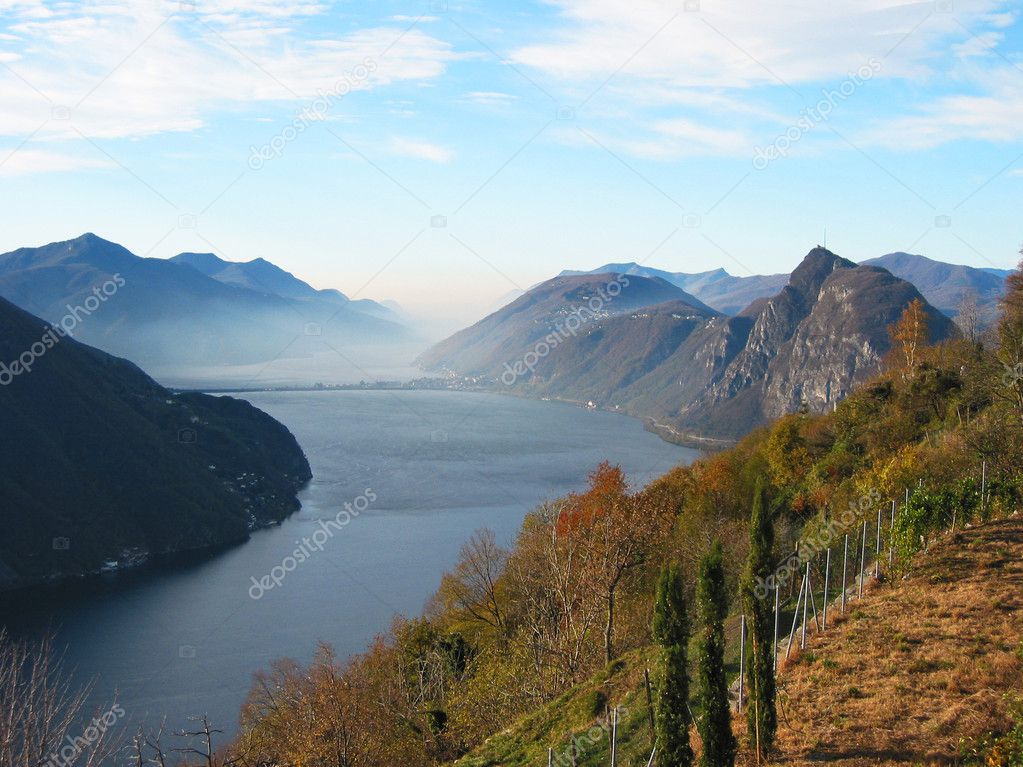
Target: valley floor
pixel 915 671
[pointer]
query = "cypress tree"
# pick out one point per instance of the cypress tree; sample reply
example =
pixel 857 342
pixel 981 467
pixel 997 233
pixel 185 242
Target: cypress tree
pixel 761 715
pixel 715 725
pixel 671 632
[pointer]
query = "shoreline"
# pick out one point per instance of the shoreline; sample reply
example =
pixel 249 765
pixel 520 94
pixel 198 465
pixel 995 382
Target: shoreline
pixel 665 431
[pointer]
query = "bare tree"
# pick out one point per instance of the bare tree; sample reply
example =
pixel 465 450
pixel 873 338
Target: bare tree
pixel 199 742
pixel 472 587
pixel 42 719
pixel 968 317
pixel 147 748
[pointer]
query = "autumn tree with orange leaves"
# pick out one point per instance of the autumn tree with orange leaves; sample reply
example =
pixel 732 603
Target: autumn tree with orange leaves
pixel 617 531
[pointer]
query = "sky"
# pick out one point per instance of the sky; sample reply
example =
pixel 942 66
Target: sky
pixel 445 154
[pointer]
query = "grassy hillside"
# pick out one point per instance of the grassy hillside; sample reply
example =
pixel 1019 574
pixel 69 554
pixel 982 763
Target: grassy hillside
pixel 921 671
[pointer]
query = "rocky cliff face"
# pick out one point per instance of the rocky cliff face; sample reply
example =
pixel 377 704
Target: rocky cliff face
pixel 809 345
pixel 704 374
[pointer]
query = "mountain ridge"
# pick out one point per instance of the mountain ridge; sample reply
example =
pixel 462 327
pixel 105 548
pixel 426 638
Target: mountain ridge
pixel 699 373
pixel 144 472
pixel 170 313
pixel 945 285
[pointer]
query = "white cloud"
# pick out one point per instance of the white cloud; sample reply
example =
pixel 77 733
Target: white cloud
pixel 130 68
pixel 419 19
pixel 22 162
pixel 993 114
pixel 420 150
pixel 684 82
pixel 490 98
pixel 741 43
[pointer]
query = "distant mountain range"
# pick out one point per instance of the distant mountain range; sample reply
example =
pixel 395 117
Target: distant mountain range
pixel 716 288
pixel 193 309
pixel 948 285
pixel 507 334
pixel 690 369
pixel 944 285
pixel 104 468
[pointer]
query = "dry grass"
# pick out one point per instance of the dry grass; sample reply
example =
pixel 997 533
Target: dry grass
pixel 917 667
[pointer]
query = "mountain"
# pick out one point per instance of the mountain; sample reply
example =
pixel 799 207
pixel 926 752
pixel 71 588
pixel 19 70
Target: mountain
pixel 105 468
pixel 194 309
pixel 946 285
pixel 717 288
pixel 809 345
pixel 693 371
pixel 550 315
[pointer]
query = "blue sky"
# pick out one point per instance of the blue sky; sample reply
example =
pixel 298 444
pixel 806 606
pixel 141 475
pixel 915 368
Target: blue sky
pixel 686 135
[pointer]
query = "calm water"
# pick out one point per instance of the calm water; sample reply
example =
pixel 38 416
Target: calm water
pixel 185 640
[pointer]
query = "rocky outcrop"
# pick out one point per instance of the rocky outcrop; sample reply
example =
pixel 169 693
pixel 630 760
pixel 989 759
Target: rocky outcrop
pixel 707 375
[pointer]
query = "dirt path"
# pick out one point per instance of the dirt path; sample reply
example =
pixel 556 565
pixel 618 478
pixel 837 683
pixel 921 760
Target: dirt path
pixel 916 668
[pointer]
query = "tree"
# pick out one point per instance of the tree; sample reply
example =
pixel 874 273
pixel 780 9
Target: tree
pixel 617 532
pixel 761 715
pixel 43 716
pixel 1010 339
pixel 471 589
pixel 968 317
pixel 671 632
pixel 715 725
pixel 909 335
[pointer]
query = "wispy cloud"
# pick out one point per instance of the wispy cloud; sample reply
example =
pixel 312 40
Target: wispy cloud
pixel 23 162
pixel 123 68
pixel 694 78
pixel 420 150
pixel 490 98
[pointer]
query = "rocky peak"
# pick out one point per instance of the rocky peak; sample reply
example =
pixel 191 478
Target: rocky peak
pixel 816 267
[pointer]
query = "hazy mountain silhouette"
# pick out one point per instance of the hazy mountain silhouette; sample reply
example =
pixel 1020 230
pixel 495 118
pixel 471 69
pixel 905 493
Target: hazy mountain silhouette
pixel 194 309
pixel 102 465
pixel 688 367
pixel 947 285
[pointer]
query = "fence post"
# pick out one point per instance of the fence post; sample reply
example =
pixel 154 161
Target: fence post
pixel 877 553
pixel 650 703
pixel 742 659
pixel 550 757
pixel 983 488
pixel 827 577
pixel 891 538
pixel 845 560
pixel 863 563
pixel 792 633
pixel 776 617
pixel 614 736
pixel 806 598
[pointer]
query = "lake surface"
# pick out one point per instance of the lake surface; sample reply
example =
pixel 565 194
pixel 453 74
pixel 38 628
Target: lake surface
pixel 185 640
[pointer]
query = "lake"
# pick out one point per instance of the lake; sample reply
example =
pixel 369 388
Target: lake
pixel 183 640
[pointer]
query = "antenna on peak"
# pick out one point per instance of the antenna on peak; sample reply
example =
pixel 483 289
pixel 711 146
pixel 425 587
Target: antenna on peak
pixel 825 236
